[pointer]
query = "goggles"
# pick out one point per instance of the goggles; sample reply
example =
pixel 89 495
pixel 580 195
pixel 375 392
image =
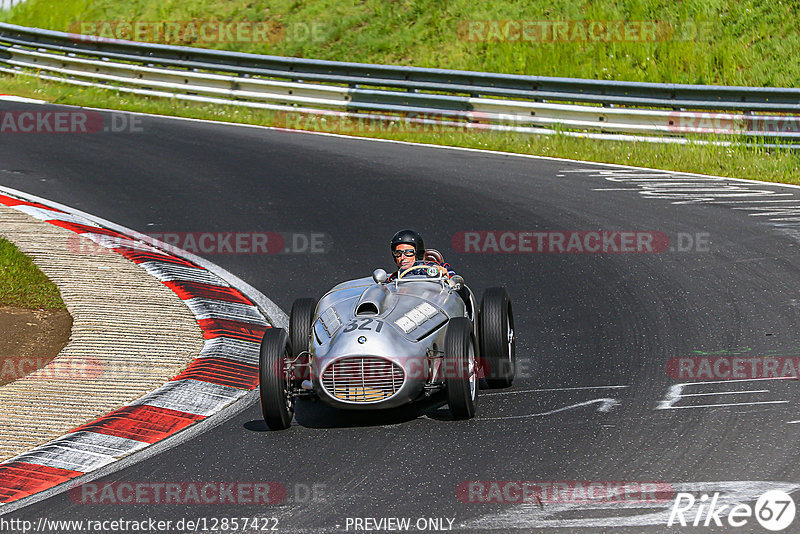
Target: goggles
pixel 407 253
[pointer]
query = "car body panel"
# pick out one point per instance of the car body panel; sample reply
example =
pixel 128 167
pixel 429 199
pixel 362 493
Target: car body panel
pixel 367 333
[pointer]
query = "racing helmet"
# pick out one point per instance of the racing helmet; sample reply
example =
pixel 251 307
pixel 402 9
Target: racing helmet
pixel 409 237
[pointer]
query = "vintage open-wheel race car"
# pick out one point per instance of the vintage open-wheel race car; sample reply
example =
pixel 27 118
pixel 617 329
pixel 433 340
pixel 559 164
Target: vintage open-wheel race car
pixel 371 344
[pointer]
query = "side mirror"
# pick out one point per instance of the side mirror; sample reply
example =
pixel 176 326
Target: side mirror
pixel 457 282
pixel 380 276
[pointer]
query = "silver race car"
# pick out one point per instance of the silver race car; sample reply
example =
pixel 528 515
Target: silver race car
pixel 372 343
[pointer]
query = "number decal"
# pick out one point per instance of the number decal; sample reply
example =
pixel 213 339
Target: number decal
pixel 365 325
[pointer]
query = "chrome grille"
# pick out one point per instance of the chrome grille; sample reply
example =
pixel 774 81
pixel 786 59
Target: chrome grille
pixel 362 379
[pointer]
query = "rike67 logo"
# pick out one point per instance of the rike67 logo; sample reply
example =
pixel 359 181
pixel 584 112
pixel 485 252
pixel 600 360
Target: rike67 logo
pixel 774 510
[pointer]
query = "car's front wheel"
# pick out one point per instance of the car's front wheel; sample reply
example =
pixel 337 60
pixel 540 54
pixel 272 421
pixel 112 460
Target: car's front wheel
pixel 277 401
pixel 460 368
pixel 301 321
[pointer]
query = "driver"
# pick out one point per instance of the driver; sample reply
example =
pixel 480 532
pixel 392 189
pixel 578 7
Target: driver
pixel 408 250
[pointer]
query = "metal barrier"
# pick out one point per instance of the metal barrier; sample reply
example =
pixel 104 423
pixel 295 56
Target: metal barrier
pixel 8 4
pixel 477 100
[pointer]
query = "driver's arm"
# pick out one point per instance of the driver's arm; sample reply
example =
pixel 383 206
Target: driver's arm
pixel 446 270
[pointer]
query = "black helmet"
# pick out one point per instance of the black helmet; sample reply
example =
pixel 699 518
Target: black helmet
pixel 409 237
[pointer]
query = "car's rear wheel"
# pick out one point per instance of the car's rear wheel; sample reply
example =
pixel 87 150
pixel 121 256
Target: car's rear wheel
pixel 498 345
pixel 301 320
pixel 277 401
pixel 460 368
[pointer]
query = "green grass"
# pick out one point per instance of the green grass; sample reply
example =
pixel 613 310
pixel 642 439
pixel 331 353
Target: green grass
pixel 22 284
pixel 750 42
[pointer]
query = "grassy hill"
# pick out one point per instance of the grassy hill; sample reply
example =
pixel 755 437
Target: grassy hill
pixel 23 284
pixel 697 41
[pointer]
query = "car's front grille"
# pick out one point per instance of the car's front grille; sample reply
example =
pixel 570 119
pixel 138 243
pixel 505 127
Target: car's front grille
pixel 362 379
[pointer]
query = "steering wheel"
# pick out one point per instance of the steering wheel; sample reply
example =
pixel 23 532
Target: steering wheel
pixel 416 267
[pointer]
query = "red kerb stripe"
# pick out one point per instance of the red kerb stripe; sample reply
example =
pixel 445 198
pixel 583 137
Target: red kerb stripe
pixel 141 256
pixel 142 423
pixel 20 479
pixel 9 201
pixel 83 228
pixel 213 328
pixel 186 289
pixel 223 372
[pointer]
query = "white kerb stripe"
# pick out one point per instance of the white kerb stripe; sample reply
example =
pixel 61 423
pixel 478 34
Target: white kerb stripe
pixel 44 214
pixel 80 451
pixel 167 272
pixel 191 396
pixel 204 308
pixel 231 349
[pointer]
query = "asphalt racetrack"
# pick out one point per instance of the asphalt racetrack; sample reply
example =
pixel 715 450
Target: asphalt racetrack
pixel 622 355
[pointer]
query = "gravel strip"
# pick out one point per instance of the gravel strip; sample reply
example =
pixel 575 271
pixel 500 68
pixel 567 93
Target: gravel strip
pixel 130 335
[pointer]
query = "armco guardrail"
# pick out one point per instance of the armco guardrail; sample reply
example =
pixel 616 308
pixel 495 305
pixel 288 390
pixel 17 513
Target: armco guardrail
pixel 472 99
pixel 8 4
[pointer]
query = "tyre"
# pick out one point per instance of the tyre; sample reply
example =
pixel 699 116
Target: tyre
pixel 300 323
pixel 498 346
pixel 460 368
pixel 277 402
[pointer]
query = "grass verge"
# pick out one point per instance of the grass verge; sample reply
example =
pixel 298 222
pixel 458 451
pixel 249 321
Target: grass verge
pixel 738 161
pixel 749 42
pixel 22 284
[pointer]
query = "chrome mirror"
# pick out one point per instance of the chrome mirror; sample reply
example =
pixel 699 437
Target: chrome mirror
pixel 380 276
